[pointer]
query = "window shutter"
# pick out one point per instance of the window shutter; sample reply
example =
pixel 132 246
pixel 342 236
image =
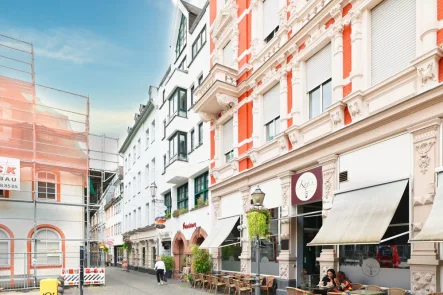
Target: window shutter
pixel 228 137
pixel 271 104
pixel 392 38
pixel 319 68
pixel 228 54
pixel 271 17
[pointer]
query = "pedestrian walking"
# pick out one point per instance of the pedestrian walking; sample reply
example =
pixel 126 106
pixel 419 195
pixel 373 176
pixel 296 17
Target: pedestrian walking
pixel 160 269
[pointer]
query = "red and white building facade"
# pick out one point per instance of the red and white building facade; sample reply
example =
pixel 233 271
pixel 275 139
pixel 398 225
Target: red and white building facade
pixel 342 97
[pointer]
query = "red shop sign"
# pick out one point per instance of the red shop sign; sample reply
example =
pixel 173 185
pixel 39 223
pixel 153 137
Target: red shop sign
pixel 189 225
pixel 307 186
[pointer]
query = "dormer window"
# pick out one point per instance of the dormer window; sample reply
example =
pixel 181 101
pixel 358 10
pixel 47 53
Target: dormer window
pixel 181 38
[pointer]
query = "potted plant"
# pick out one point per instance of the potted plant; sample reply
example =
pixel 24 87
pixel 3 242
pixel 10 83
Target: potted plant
pixel 169 263
pixel 127 245
pixel 258 222
pixel 201 260
pixel 106 250
pixel 190 279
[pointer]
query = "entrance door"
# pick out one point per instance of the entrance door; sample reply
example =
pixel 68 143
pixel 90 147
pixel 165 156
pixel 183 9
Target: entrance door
pixel 307 228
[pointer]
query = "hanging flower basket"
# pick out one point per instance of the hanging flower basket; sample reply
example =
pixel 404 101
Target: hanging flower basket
pixel 127 245
pixel 258 222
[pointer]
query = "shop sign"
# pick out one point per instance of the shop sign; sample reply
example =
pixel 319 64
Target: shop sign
pixel 189 225
pixel 307 186
pixel 370 267
pixel 110 242
pixel 9 174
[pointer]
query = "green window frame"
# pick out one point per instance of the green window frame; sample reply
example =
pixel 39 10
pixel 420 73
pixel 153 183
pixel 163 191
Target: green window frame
pixel 168 204
pixel 178 103
pixel 182 196
pixel 181 38
pixel 201 187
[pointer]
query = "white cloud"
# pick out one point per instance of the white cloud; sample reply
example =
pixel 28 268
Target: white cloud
pixel 113 123
pixel 78 46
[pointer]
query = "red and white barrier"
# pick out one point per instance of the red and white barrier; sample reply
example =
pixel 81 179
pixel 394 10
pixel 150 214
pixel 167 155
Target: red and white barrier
pixel 92 276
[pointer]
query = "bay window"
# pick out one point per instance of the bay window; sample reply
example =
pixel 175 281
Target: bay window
pixel 168 204
pixel 177 103
pixel 178 147
pixel 201 187
pixel 318 81
pixel 181 38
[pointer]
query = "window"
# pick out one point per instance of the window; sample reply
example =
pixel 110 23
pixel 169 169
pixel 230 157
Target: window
pixel 228 54
pixel 139 221
pixel 164 97
pixel 272 129
pixel 164 163
pixel 200 133
pixel 164 128
pixel 48 250
pixel 320 99
pixel 139 147
pixel 147 138
pixel 139 181
pixel 129 160
pixel 168 204
pixel 135 154
pixel 199 42
pixel 153 131
pixel 271 18
pixel 47 188
pixel 147 176
pixel 126 164
pixel 130 188
pixel 192 139
pixel 318 81
pixel 182 65
pixel 192 95
pixel 4 249
pixel 228 139
pixel 134 221
pixel 182 196
pixel 178 147
pixel 177 103
pixel 201 187
pixel 2 193
pixel 148 221
pixel 153 170
pixel 271 112
pixel 392 18
pixel 200 80
pixel 181 38
pixel 134 189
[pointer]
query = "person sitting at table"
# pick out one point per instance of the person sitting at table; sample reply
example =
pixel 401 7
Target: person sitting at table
pixel 342 282
pixel 328 279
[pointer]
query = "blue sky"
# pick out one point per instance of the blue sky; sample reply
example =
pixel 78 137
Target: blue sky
pixel 111 50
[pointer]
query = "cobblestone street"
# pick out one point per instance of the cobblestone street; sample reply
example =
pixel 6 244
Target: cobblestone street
pixel 124 283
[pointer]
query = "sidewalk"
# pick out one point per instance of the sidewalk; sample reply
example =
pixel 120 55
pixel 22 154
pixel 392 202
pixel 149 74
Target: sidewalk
pixel 132 283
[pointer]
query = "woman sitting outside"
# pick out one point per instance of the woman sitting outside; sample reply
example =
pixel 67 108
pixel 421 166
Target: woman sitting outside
pixel 342 283
pixel 328 279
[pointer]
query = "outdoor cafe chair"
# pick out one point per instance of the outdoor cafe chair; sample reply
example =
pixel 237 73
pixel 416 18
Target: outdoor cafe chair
pixel 396 291
pixel 229 285
pixel 373 288
pixel 436 293
pixel 216 284
pixel 209 285
pixel 336 293
pixel 239 290
pixel 300 291
pixel 204 281
pixel 269 284
pixel 197 279
pixel 356 286
pixel 291 291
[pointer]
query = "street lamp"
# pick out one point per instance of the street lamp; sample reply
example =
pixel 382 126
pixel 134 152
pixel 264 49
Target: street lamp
pixel 153 188
pixel 257 201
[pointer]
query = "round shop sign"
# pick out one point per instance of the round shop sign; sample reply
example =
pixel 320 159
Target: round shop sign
pixel 371 267
pixel 306 186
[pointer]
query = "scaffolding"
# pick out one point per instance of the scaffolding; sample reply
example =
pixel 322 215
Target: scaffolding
pixel 48 131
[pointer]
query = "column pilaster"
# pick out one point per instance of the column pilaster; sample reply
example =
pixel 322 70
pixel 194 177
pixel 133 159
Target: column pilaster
pixel 245 257
pixel 283 100
pixel 235 131
pixel 215 253
pixel 427 24
pixel 357 50
pixel 297 92
pixel 337 62
pixel 424 261
pixel 217 147
pixel 287 257
pixel 256 120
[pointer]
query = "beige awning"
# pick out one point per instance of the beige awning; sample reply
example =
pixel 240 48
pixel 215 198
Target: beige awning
pixel 361 216
pixel 219 232
pixel 432 230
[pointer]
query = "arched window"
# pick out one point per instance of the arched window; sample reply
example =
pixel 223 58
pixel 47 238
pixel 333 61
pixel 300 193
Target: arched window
pixel 49 247
pixel 4 248
pixel 47 185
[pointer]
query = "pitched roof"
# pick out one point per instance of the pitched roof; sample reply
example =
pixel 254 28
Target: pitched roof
pixel 193 10
pixel 199 17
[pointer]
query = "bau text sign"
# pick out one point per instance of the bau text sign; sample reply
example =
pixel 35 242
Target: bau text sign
pixel 9 174
pixel 307 186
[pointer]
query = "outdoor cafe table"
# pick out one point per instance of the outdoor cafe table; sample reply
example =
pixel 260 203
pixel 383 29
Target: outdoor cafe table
pixel 367 292
pixel 318 289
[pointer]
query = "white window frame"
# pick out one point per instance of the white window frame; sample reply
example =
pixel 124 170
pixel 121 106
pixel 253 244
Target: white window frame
pixel 139 181
pixel 57 253
pixel 139 147
pixel 153 131
pixel 276 124
pixel 40 183
pixel 320 87
pixel 147 171
pixel 147 138
pixel 8 243
pixel 134 151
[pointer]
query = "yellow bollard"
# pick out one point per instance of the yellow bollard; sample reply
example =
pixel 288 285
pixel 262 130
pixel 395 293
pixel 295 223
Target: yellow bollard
pixel 49 287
